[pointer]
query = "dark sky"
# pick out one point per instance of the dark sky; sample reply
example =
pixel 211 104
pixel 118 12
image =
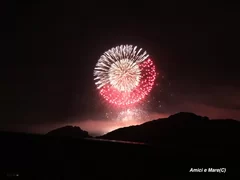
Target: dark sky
pixel 50 50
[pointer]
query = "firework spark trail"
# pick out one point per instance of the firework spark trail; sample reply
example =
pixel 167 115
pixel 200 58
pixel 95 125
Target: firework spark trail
pixel 124 75
pixel 113 56
pixel 135 114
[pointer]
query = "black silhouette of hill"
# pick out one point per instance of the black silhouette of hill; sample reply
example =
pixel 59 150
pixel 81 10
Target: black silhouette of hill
pixel 186 135
pixel 69 131
pixel 172 146
pixel 181 126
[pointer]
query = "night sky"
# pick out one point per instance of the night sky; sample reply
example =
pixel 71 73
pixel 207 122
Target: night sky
pixel 51 49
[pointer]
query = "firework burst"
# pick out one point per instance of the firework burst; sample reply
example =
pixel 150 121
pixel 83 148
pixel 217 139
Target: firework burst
pixel 124 75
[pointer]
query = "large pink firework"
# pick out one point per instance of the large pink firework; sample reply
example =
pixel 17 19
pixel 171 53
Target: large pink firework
pixel 124 75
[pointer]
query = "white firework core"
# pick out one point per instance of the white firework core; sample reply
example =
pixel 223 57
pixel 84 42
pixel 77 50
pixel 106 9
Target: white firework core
pixel 124 75
pixel 119 67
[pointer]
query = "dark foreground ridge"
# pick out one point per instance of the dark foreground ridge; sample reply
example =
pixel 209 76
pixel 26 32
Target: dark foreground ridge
pixel 50 157
pixel 170 146
pixel 69 131
pixel 186 135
